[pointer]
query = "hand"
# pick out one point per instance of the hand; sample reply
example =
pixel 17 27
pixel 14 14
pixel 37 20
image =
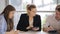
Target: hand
pixel 11 32
pixel 29 27
pixel 50 28
pixel 17 32
pixel 35 28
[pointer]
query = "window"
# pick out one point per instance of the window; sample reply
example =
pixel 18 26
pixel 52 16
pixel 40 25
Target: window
pixel 20 5
pixel 42 5
pixel 45 5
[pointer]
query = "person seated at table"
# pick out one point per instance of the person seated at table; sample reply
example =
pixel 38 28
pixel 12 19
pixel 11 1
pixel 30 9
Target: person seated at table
pixel 6 20
pixel 53 22
pixel 30 20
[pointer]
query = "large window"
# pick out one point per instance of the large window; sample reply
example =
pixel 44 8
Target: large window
pixel 20 5
pixel 45 5
pixel 42 5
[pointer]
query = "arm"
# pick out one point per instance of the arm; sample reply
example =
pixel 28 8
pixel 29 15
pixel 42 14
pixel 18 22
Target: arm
pixel 20 25
pixel 47 27
pixel 39 23
pixel 37 26
pixel 2 26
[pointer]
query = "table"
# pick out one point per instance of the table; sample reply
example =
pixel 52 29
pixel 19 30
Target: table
pixel 31 32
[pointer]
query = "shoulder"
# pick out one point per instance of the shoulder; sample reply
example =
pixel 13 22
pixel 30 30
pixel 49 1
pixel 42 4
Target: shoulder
pixel 1 16
pixel 50 16
pixel 2 19
pixel 37 15
pixel 24 14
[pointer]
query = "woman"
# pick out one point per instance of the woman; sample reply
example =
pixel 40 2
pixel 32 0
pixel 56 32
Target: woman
pixel 6 20
pixel 30 20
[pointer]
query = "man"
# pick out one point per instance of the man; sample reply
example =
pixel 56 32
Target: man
pixel 53 22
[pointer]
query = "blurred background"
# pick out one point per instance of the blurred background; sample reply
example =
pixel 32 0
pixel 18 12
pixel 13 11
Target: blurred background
pixel 44 7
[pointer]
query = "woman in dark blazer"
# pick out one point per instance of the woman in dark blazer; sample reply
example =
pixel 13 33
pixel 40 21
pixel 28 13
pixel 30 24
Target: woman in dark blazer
pixel 29 20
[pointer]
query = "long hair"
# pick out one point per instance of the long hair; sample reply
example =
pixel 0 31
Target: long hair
pixel 6 12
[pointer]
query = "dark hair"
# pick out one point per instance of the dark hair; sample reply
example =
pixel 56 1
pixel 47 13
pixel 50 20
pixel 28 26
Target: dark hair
pixel 58 8
pixel 30 7
pixel 6 12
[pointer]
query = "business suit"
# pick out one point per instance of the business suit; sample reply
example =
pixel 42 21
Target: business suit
pixel 24 22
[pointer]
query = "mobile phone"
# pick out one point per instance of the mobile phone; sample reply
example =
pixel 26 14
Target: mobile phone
pixel 49 26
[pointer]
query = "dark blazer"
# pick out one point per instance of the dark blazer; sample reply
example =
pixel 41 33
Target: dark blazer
pixel 24 22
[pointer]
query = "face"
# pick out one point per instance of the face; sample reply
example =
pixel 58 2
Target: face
pixel 33 12
pixel 11 14
pixel 57 15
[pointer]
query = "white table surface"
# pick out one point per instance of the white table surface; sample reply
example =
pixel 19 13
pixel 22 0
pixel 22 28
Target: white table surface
pixel 30 32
